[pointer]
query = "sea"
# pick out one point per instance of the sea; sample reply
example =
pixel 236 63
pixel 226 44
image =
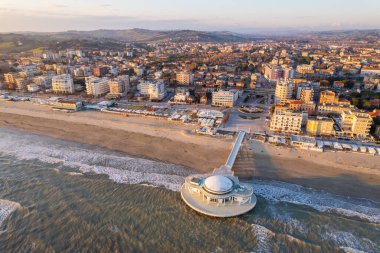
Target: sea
pixel 60 196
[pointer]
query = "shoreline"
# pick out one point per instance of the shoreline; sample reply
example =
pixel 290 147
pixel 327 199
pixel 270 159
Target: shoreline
pixel 338 173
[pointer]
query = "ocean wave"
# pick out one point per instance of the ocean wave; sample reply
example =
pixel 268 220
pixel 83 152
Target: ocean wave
pixel 318 200
pixel 119 168
pixel 6 208
pixel 264 237
pixel 350 243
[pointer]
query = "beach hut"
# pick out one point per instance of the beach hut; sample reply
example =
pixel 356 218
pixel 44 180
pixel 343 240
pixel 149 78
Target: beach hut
pixel 355 148
pixel 372 151
pixel 337 146
pixel 346 147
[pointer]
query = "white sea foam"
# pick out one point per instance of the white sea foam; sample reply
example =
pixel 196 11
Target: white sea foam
pixel 264 237
pixel 350 243
pixel 119 168
pixel 6 208
pixel 321 201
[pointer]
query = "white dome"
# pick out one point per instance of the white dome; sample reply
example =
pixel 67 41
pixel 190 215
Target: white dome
pixel 218 184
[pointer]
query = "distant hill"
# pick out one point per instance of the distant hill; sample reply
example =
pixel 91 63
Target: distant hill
pixel 143 35
pixel 10 42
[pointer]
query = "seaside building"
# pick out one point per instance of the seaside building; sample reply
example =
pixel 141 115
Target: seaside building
pixel 63 84
pixel 154 89
pixel 224 98
pixel 325 109
pixel 157 90
pixel 287 121
pixel 356 123
pixel 320 126
pixel 69 105
pixel 116 87
pixel 96 86
pixel 283 92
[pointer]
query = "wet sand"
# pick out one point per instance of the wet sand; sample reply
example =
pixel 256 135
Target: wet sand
pixel 348 174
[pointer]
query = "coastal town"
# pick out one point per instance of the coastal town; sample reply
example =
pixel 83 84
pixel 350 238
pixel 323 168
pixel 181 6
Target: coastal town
pixel 189 126
pixel 313 95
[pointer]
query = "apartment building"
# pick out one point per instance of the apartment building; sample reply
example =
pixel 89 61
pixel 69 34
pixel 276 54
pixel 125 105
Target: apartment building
pixel 10 78
pixel 155 90
pixel 224 98
pixel 96 86
pixel 356 123
pixel 185 78
pixel 283 92
pixel 321 126
pixel 63 84
pixel 116 87
pixel 328 97
pixel 287 121
pixel 306 95
pixel 325 109
pixel 273 72
pixel 100 71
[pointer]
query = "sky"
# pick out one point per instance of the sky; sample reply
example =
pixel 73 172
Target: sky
pixel 243 16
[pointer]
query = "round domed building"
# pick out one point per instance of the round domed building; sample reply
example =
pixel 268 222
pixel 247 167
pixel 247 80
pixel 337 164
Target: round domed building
pixel 218 195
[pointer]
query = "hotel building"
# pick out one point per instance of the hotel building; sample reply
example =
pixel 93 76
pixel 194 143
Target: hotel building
pixel 283 92
pixel 155 90
pixel 63 84
pixel 224 98
pixel 356 123
pixel 96 86
pixel 287 121
pixel 320 126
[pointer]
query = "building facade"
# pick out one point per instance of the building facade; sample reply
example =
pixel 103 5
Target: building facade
pixel 224 98
pixel 63 84
pixel 97 86
pixel 320 126
pixel 185 78
pixel 286 121
pixel 283 92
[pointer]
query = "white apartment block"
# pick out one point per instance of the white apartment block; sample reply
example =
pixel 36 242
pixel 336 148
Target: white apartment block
pixel 287 121
pixel 356 123
pixel 154 89
pixel 96 86
pixel 224 98
pixel 63 84
pixel 283 92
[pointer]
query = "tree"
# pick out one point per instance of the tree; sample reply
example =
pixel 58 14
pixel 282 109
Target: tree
pixel 354 101
pixel 131 72
pixel 367 104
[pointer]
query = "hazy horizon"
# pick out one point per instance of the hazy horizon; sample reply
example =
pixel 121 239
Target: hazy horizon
pixel 243 16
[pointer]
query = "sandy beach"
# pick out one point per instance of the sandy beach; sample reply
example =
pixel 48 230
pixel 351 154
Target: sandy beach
pixel 349 174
